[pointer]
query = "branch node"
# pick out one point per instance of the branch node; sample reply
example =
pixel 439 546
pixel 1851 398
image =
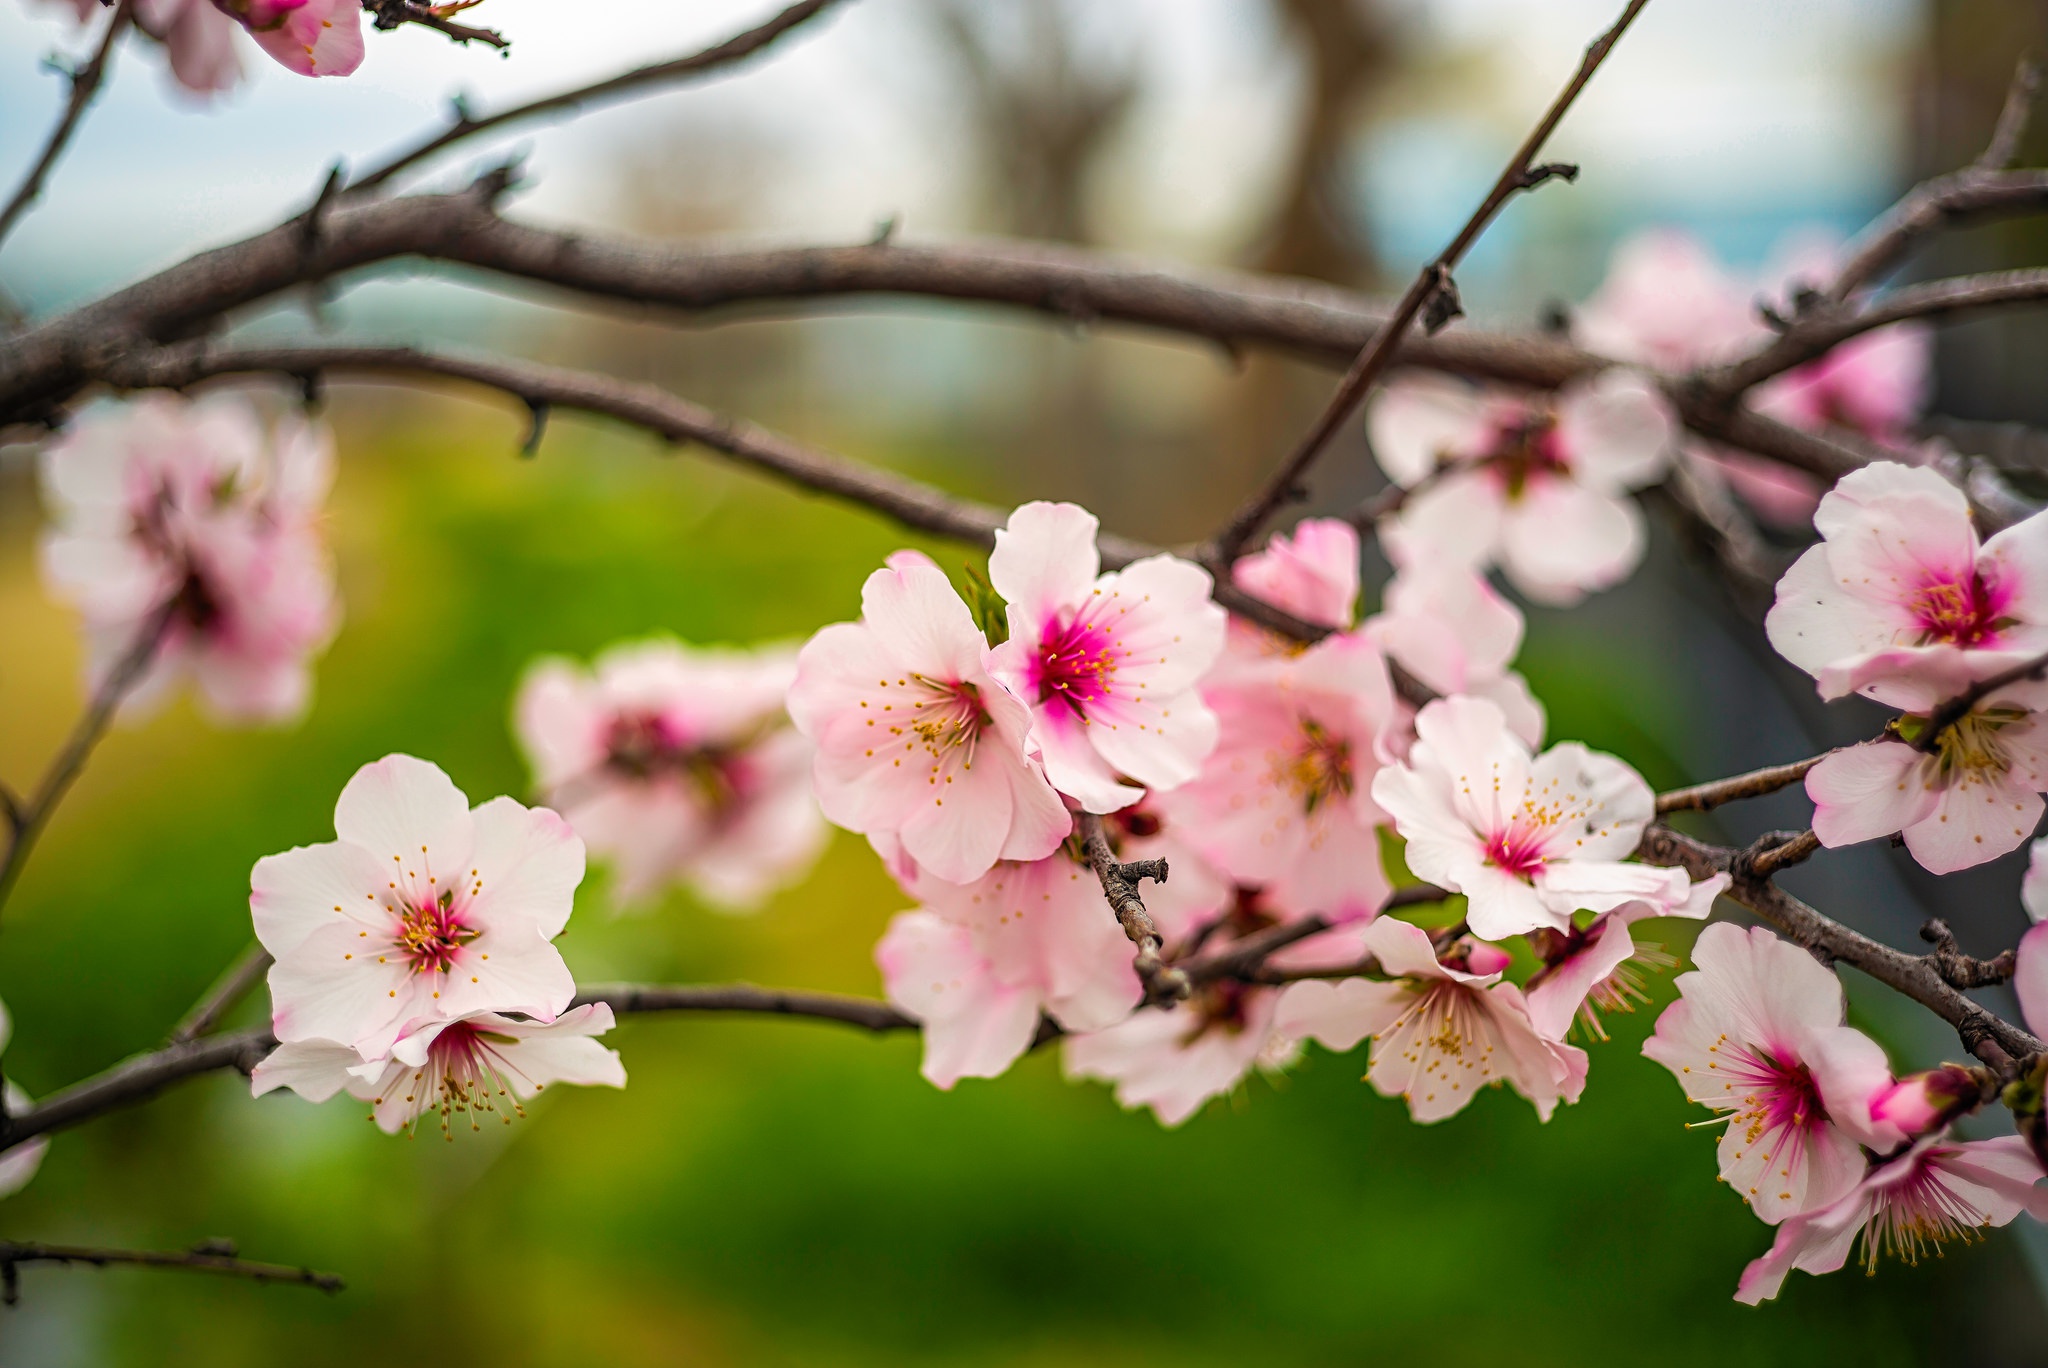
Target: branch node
pixel 313 220
pixel 1444 303
pixel 885 230
pixel 538 410
pixel 1533 176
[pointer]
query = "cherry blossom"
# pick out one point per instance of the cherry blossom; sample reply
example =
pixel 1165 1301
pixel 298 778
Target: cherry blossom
pixel 172 506
pixel 1599 967
pixel 1311 572
pixel 479 1064
pixel 1666 303
pixel 1899 583
pixel 978 963
pixel 1107 664
pixel 677 764
pixel 1757 1034
pixel 310 37
pixel 424 910
pixel 1922 1103
pixel 1912 1205
pixel 1285 802
pixel 1537 485
pixel 1975 797
pixel 1528 839
pixel 916 738
pixel 2034 886
pixel 1440 1030
pixel 19 1163
pixel 1444 624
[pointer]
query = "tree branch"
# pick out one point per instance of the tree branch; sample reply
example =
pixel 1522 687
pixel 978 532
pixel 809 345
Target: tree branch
pixel 215 1256
pixel 1433 294
pixel 1164 985
pixel 715 58
pixel 390 14
pixel 878 1017
pixel 230 988
pixel 1755 784
pixel 85 87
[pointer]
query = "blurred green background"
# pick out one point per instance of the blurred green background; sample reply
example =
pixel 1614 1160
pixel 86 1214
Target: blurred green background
pixel 769 1192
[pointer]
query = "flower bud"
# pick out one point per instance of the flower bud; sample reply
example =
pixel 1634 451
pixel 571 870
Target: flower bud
pixel 1924 1102
pixel 1478 957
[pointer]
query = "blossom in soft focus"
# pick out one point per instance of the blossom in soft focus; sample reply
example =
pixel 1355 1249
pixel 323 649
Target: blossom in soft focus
pixel 979 962
pixel 2030 977
pixel 1284 802
pixel 19 1163
pixel 1667 303
pixel 1529 839
pixel 1600 968
pixel 1757 1034
pixel 198 38
pixel 2034 886
pixel 1311 572
pixel 1444 624
pixel 1537 485
pixel 1909 1206
pixel 310 37
pixel 1107 664
pixel 423 911
pixel 166 505
pixel 1975 797
pixel 1899 585
pixel 677 764
pixel 1440 1032
pixel 480 1064
pixel 916 738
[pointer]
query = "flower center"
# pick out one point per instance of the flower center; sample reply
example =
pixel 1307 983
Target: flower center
pixel 1779 1097
pixel 1918 1216
pixel 1321 769
pixel 465 1072
pixel 1972 748
pixel 948 716
pixel 1518 850
pixel 1075 664
pixel 641 743
pixel 645 746
pixel 1525 450
pixel 429 936
pixel 1958 612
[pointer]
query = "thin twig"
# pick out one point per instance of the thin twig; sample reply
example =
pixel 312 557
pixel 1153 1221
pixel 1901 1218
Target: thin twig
pixel 215 1256
pixel 1959 969
pixel 2004 147
pixel 390 14
pixel 718 57
pixel 875 1016
pixel 1433 292
pixel 32 816
pixel 85 86
pixel 220 998
pixel 1755 784
pixel 1164 985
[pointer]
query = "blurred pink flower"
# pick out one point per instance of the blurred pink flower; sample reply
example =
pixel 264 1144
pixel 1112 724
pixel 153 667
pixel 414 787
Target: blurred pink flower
pixel 1899 586
pixel 1538 486
pixel 1440 1031
pixel 1937 1191
pixel 979 962
pixel 1108 665
pixel 423 911
pixel 1284 802
pixel 171 504
pixel 677 764
pixel 1757 1034
pixel 18 1164
pixel 1668 304
pixel 916 738
pixel 1311 572
pixel 456 1068
pixel 1528 839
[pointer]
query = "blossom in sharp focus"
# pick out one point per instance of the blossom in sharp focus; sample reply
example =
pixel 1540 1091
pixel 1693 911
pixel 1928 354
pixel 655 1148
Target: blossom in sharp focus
pixel 916 738
pixel 677 764
pixel 1440 1032
pixel 169 505
pixel 479 1065
pixel 979 962
pixel 1938 1191
pixel 310 37
pixel 1538 486
pixel 18 1164
pixel 1600 967
pixel 1757 1034
pixel 1529 839
pixel 1899 584
pixel 1444 624
pixel 423 911
pixel 1284 802
pixel 1975 797
pixel 1107 664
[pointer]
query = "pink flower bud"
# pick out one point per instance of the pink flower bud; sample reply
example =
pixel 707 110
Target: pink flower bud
pixel 1481 958
pixel 1924 1102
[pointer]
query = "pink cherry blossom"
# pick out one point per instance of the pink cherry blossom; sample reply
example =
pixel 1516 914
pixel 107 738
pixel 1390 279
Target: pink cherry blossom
pixel 310 37
pixel 1599 967
pixel 1528 839
pixel 978 963
pixel 1977 796
pixel 1444 624
pixel 1107 664
pixel 1440 1032
pixel 168 505
pixel 1909 1206
pixel 1537 485
pixel 1925 1102
pixel 2030 977
pixel 19 1163
pixel 1900 579
pixel 1285 802
pixel 1757 1034
pixel 198 38
pixel 677 764
pixel 423 911
pixel 476 1065
pixel 2034 886
pixel 916 738
pixel 1311 572
pixel 1666 303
